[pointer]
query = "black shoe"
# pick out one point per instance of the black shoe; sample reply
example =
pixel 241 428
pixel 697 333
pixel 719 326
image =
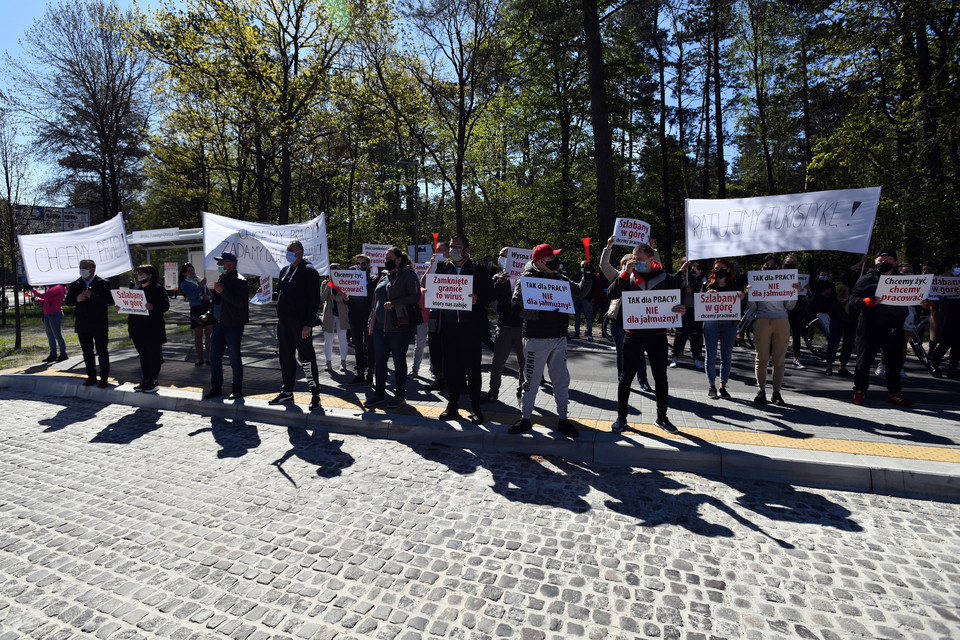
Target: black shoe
pixel 829 370
pixel 437 385
pixel 520 426
pixel 936 372
pixel 140 385
pixel 761 397
pixel 665 424
pixel 357 379
pixel 777 399
pixel 369 379
pixel 198 363
pixel 211 394
pixel 103 384
pixel 150 386
pixel 724 393
pixel 619 425
pixel 489 397
pixel 450 413
pixel 235 395
pixel 476 417
pixel 52 358
pixel 374 400
pixel 314 403
pixel 398 401
pixel 283 397
pixel 62 357
pixel 712 393
pixel 89 382
pixel 844 371
pixel 566 427
pixel 645 386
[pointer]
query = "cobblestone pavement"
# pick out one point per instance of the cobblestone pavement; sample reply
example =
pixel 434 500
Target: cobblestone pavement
pixel 118 522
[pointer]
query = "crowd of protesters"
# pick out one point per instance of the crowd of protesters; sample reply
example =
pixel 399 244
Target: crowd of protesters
pixel 383 323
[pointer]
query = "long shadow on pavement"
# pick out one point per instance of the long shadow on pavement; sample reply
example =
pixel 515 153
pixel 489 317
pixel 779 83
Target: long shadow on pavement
pixel 130 427
pixel 235 437
pixel 317 449
pixel 72 413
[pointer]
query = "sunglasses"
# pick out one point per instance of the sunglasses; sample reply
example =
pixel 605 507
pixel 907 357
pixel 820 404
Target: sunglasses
pixel 363 264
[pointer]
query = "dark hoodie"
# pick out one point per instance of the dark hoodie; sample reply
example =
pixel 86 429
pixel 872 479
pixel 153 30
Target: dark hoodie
pixel 882 315
pixel 653 280
pixel 538 323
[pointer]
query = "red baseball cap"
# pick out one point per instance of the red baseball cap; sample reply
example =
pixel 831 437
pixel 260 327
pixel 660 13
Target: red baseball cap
pixel 542 251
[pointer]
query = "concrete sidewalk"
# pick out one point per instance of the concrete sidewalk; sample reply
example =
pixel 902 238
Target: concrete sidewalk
pixel 823 442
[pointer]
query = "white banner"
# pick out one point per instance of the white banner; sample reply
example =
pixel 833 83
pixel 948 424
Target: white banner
pixel 261 248
pixel 131 301
pixel 54 258
pixel 448 291
pixel 839 220
pixel 631 232
pixel 549 295
pixel 772 286
pixel 945 287
pixel 651 309
pixel 376 253
pixel 265 294
pixel 722 305
pixel 350 281
pixel 903 291
pixel 517 260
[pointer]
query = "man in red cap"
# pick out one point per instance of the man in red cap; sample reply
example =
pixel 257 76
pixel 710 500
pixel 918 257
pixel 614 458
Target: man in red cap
pixel 544 342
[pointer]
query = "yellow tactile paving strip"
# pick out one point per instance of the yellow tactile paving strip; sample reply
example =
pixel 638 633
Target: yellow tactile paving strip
pixel 714 436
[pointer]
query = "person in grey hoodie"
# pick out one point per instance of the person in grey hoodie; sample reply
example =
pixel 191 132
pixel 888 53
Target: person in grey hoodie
pixel 771 333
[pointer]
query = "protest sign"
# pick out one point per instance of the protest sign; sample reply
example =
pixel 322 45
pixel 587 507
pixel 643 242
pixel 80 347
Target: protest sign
pixel 54 258
pixel 131 301
pixel 651 309
pixel 171 276
pixel 840 220
pixel 421 269
pixel 903 291
pixel 377 253
pixel 517 260
pixel 261 248
pixel 265 294
pixel 350 281
pixel 547 295
pixel 722 305
pixel 804 280
pixel 448 291
pixel 945 287
pixel 631 232
pixel 772 286
pixel 419 252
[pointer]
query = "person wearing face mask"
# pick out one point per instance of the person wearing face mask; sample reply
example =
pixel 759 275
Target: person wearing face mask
pixel 879 329
pixel 691 281
pixel 644 273
pixel 948 332
pixel 544 343
pixel 52 300
pixel 611 273
pixel 461 333
pixel 723 279
pixel 91 297
pixel 392 323
pixel 583 304
pixel 149 332
pixel 796 315
pixel 197 294
pixel 434 343
pixel 298 300
pixel 335 320
pixel 771 333
pixel 231 310
pixel 358 312
pixel 509 332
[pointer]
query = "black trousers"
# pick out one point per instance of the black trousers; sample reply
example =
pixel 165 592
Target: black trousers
pixel 461 360
pixel 88 340
pixel 691 330
pixel 634 346
pixel 435 345
pixel 870 340
pixel 362 347
pixel 290 345
pixel 151 356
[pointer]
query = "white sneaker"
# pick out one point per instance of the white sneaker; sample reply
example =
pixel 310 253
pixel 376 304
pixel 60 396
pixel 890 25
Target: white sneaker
pixel 673 363
pixel 903 373
pixel 797 364
pixel 698 364
pixel 881 370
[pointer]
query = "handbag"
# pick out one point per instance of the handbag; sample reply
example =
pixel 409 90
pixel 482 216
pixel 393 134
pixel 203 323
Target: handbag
pixel 400 318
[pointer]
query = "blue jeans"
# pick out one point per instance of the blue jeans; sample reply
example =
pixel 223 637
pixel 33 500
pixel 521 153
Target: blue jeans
pixel 51 324
pixel 393 343
pixel 726 332
pixel 841 329
pixel 582 306
pixel 226 339
pixel 616 328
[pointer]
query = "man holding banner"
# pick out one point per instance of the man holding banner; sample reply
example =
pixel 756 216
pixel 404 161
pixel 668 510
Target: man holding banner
pixel 880 328
pixel 91 296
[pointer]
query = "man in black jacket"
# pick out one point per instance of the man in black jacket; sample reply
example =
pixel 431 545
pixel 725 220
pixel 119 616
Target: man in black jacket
pixel 509 334
pixel 231 299
pixel 91 296
pixel 544 343
pixel 358 308
pixel 298 299
pixel 879 328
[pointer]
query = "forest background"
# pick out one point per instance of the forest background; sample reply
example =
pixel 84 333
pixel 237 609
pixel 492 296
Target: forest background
pixel 515 121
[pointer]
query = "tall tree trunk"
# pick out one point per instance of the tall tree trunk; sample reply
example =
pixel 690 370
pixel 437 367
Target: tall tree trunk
pixel 718 107
pixel 805 106
pixel 286 182
pixel 600 118
pixel 705 182
pixel 666 248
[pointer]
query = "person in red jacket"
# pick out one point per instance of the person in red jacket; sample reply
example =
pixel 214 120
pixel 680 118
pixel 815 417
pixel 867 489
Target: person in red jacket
pixel 52 300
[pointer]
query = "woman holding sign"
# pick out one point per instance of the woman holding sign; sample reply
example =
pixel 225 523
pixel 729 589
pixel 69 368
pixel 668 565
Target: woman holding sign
pixel 723 279
pixel 771 333
pixel 643 273
pixel 148 332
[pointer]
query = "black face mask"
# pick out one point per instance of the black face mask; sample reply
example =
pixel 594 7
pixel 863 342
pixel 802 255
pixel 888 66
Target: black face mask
pixel 767 268
pixel 554 265
pixel 721 273
pixel 390 264
pixel 885 267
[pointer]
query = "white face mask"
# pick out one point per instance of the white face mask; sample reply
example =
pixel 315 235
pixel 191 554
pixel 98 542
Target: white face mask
pixel 502 262
pixel 456 255
pixel 85 274
pixel 956 271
